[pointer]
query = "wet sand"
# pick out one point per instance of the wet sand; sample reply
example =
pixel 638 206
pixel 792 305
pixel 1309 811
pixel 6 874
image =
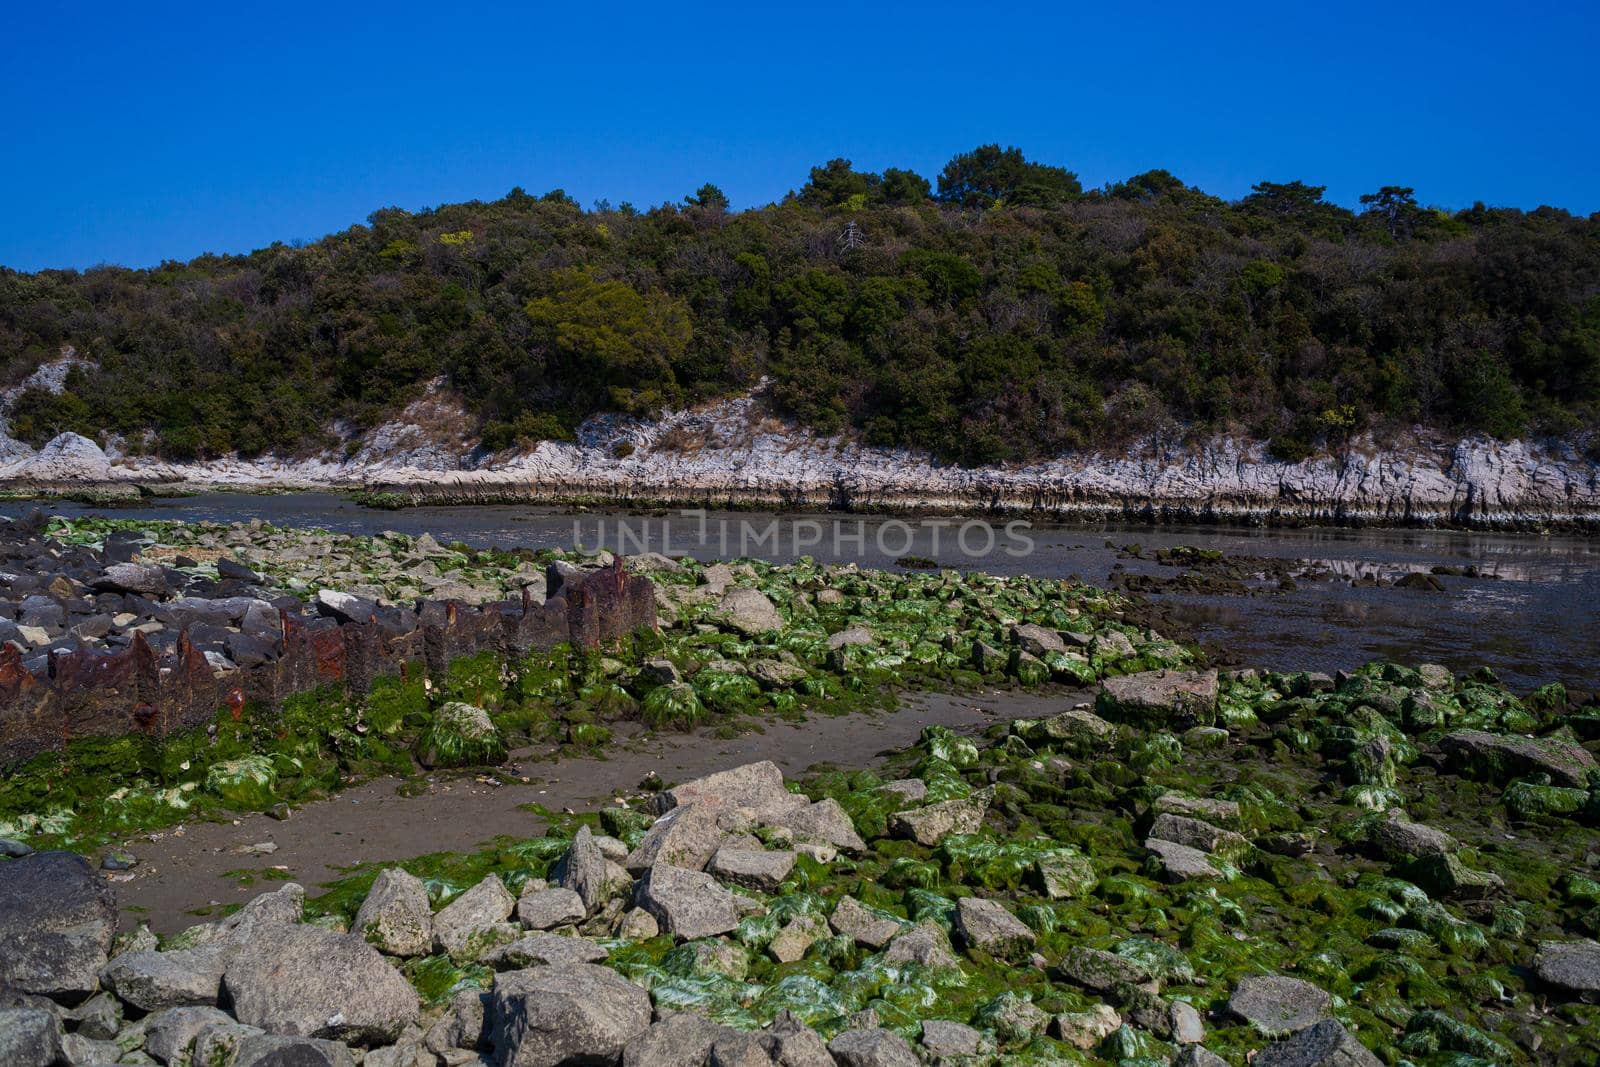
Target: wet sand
pixel 185 871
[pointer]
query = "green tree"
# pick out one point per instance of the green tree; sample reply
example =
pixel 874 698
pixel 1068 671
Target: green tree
pixel 988 175
pixel 605 333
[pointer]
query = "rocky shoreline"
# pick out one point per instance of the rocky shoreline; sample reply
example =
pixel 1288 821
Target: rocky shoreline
pixel 734 454
pixel 1189 867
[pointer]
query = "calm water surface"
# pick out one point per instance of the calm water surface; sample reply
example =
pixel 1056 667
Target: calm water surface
pixel 1534 617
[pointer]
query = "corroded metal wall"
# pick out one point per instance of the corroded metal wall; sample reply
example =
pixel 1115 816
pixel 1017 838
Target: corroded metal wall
pixel 135 690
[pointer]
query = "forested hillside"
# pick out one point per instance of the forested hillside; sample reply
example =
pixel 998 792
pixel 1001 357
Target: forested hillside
pixel 998 312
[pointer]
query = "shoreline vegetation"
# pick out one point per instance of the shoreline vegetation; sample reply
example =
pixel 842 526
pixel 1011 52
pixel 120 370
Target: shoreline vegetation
pixel 1391 865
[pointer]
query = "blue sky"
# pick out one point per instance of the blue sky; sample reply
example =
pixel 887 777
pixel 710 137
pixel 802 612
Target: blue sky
pixel 133 133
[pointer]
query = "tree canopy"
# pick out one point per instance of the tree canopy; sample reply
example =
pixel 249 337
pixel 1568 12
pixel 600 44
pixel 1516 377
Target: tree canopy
pixel 1002 313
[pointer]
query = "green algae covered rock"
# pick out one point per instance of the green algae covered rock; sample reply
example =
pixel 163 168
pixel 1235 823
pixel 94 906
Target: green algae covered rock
pixel 248 782
pixel 460 735
pixel 673 707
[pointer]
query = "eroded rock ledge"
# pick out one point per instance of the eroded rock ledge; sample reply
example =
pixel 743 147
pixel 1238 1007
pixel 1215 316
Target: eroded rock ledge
pixel 734 454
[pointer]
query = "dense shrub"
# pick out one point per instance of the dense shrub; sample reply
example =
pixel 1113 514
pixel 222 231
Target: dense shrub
pixel 1008 315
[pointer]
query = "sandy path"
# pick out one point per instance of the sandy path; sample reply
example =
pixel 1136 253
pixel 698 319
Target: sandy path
pixel 179 873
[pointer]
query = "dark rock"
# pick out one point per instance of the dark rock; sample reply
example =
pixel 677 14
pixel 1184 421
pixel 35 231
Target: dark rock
pixel 1499 757
pixel 143 579
pixel 872 1048
pixel 57 920
pixel 682 1040
pixel 227 568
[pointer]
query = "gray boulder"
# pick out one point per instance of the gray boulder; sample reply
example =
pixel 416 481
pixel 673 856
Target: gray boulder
pixel 473 922
pixel 986 925
pixel 749 612
pixel 169 1035
pixel 757 786
pixel 1224 813
pixel 279 1050
pixel 682 1040
pixel 1197 833
pixel 1569 965
pixel 824 822
pixel 1276 1004
pixel 1037 640
pixel 1179 863
pixel 752 868
pixel 1165 697
pixel 57 919
pixel 1077 727
pixel 687 837
pixel 852 919
pixel 1101 971
pixel 1195 1056
pixel 30 1037
pixel 544 949
pixel 582 869
pixel 942 1039
pixel 686 904
pixel 932 824
pixel 924 944
pixel 1499 757
pixel 570 1014
pixel 305 981
pixel 142 579
pixel 1399 839
pixel 151 981
pixel 396 917
pixel 872 1048
pixel 544 909
pixel 1323 1044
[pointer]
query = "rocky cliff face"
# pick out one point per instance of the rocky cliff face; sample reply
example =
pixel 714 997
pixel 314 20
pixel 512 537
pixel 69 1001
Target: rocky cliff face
pixel 734 453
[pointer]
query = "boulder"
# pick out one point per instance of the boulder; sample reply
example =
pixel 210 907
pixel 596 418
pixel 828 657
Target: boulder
pixel 687 904
pixel 1224 813
pixel 1197 833
pixel 1179 863
pixel 1037 640
pixel 1160 698
pixel 943 1039
pixel 749 612
pixel 793 1044
pixel 794 940
pixel 141 579
pixel 1499 758
pixel 30 1037
pixel 1101 971
pixel 582 870
pixel 305 981
pixel 1323 1044
pixel 751 868
pixel 986 925
pixel 1086 1029
pixel 544 949
pixel 568 1014
pixel 1063 874
pixel 681 1040
pixel 396 917
pixel 924 944
pixel 687 837
pixel 855 635
pixel 824 822
pixel 151 981
pixel 1195 1056
pixel 1570 965
pixel 474 919
pixel 1398 839
pixel 1077 727
pixel 757 786
pixel 852 919
pixel 1276 1004
pixel 545 909
pixel 169 1034
pixel 279 1050
pixel 57 919
pixel 932 824
pixel 872 1048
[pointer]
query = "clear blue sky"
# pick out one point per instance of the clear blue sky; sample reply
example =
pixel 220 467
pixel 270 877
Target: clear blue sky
pixel 136 132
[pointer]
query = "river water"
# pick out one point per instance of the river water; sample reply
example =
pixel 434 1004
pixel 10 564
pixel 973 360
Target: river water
pixel 1533 614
